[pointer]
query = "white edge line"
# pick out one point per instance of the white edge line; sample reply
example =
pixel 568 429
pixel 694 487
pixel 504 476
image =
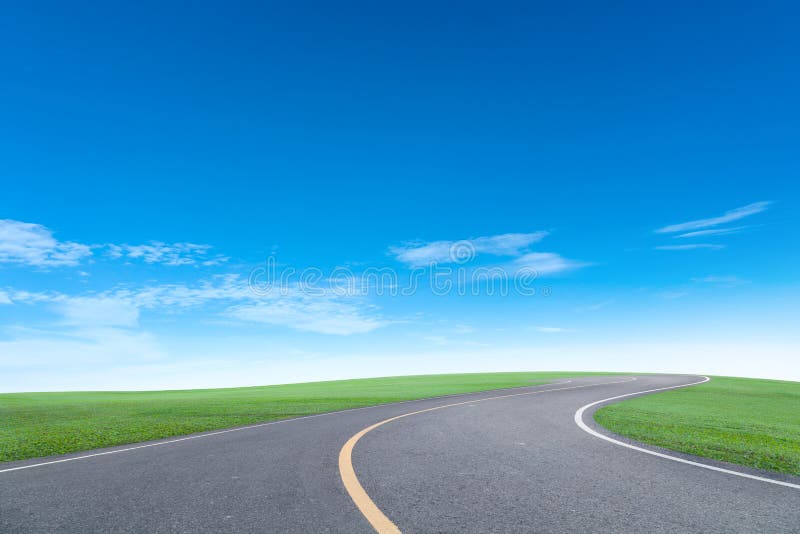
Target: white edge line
pixel 586 428
pixel 258 425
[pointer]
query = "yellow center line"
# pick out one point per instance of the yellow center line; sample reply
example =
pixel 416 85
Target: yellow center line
pixel 367 507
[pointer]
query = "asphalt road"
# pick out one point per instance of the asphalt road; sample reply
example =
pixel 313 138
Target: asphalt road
pixel 513 464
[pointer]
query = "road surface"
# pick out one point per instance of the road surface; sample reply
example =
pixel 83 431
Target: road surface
pixel 500 461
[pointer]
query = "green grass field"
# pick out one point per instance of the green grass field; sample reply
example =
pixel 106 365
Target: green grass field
pixel 746 421
pixel 740 420
pixel 42 424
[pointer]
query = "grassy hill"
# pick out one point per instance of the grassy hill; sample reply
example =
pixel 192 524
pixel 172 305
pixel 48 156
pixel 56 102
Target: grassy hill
pixel 43 424
pixel 741 420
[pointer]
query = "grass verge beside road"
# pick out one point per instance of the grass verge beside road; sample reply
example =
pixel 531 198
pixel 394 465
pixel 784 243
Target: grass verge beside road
pixel 43 424
pixel 740 420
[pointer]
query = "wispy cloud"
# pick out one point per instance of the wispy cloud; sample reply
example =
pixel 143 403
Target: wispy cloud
pixel 33 244
pixel 550 329
pixel 516 246
pixel 714 231
pixel 692 246
pixel 463 329
pixel 724 281
pixel 323 316
pixel 93 346
pixel 714 281
pixel 172 254
pixel 98 311
pixel 324 312
pixel 423 254
pixel 544 263
pixel 728 216
pixel 593 307
pixel 674 294
pixel 437 340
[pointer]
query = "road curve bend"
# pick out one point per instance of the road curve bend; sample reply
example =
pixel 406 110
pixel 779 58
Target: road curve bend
pixel 498 461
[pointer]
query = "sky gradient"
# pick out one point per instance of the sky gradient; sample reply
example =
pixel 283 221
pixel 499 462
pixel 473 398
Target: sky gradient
pixel 211 195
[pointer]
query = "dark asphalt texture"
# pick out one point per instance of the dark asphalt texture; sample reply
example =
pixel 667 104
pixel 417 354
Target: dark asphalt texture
pixel 517 464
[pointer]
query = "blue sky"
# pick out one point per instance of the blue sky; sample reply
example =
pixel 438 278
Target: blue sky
pixel 625 176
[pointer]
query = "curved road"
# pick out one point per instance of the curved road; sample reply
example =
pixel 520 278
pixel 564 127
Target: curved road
pixel 499 461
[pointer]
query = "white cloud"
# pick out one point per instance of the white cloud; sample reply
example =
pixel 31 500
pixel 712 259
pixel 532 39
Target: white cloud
pixel 33 244
pixel 544 263
pixel 437 340
pixel 4 298
pixel 423 254
pixel 714 231
pixel 98 311
pixel 550 329
pixel 34 297
pixel 516 245
pixel 217 260
pixel 309 315
pixel 107 309
pixel 728 216
pixel 175 296
pixel 78 347
pixel 693 246
pixel 181 296
pixel 507 244
pixel 172 254
pixel 321 311
pixel 463 329
pixel 594 307
pixel 672 295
